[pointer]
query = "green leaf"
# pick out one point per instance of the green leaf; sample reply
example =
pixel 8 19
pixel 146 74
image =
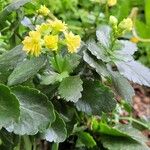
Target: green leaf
pixel 122 87
pixel 96 98
pixel 9 106
pixel 70 88
pixel 86 140
pixel 134 71
pixel 103 34
pixel 117 143
pixel 65 63
pixel 147 12
pixel 98 65
pixel 121 131
pixel 98 51
pixel 53 77
pixel 10 8
pixel 36 112
pixel 124 50
pixel 10 59
pixel 57 131
pixel 26 69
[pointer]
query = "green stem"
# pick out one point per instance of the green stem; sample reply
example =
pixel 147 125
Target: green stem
pixel 19 144
pixel 106 10
pixel 57 64
pixel 134 120
pixel 34 144
pixel 27 142
pixel 55 146
pixel 34 23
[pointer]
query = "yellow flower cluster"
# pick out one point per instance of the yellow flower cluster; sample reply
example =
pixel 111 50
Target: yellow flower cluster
pixel 49 35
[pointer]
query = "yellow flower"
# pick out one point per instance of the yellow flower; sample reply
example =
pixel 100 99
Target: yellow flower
pixel 126 24
pixel 134 40
pixel 58 25
pixel 111 2
pixel 43 28
pixel 73 42
pixel 43 10
pixel 31 43
pixel 51 42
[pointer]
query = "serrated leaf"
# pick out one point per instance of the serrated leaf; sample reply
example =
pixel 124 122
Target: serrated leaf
pixel 53 77
pixel 57 131
pixel 86 140
pixel 10 59
pixel 26 69
pixel 124 51
pixel 9 106
pixel 103 34
pixel 98 51
pixel 117 143
pixel 122 87
pixel 36 112
pixel 96 98
pixel 70 88
pixel 134 71
pixel 99 66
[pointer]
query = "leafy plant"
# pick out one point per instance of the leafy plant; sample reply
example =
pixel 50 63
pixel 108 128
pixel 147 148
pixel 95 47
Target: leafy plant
pixel 56 88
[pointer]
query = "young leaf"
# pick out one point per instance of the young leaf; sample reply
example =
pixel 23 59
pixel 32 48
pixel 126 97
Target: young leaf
pixel 134 71
pixel 36 112
pixel 53 77
pixel 10 59
pixel 26 69
pixel 57 131
pixel 65 64
pixel 103 34
pixel 86 140
pixel 96 98
pixel 98 51
pixel 9 106
pixel 70 88
pixel 99 66
pixel 122 87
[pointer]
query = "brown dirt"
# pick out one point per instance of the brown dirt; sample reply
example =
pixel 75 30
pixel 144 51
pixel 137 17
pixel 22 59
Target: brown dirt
pixel 141 106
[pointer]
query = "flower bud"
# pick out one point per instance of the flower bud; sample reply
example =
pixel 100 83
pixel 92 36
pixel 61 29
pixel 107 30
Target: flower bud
pixel 113 21
pixel 111 2
pixel 43 10
pixel 126 24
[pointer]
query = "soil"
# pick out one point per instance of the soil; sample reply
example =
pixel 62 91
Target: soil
pixel 141 106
